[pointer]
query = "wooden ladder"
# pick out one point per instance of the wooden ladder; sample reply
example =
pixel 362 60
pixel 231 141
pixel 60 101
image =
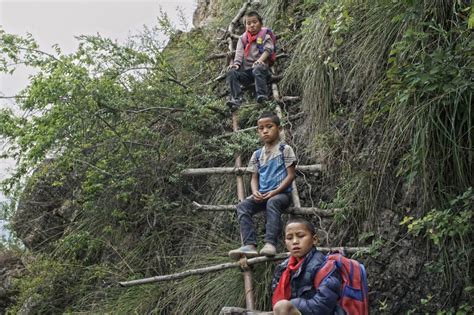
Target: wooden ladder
pixel 238 170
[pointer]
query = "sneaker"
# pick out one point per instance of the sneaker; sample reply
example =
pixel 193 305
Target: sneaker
pixel 268 250
pixel 234 104
pixel 248 251
pixel 262 99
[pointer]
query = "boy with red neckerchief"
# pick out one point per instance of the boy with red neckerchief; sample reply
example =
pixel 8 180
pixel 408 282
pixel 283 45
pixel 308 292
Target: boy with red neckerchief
pixel 251 61
pixel 294 285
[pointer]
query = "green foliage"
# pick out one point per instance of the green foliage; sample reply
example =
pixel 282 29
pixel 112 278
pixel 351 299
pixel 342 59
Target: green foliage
pixel 386 95
pixel 79 247
pixel 450 229
pixel 431 93
pixel 52 286
pixel 454 222
pixel 340 54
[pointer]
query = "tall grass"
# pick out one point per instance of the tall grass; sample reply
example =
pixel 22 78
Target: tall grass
pixel 341 56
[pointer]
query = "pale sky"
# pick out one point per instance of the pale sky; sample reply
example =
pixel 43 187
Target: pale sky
pixel 58 21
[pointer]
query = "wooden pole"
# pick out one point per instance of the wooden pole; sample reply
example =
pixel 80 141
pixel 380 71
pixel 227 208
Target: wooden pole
pixel 290 210
pixel 239 170
pixel 224 266
pixel 247 273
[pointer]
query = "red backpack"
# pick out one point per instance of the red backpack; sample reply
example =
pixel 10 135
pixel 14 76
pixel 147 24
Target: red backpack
pixel 354 299
pixel 260 40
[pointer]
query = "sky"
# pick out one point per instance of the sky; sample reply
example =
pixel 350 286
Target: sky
pixel 58 21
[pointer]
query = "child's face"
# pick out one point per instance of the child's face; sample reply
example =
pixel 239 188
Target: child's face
pixel 252 24
pixel 268 131
pixel 298 240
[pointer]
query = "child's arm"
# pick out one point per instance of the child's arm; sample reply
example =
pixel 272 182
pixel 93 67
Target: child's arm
pixel 268 49
pixel 239 55
pixel 262 59
pixel 254 186
pixel 290 176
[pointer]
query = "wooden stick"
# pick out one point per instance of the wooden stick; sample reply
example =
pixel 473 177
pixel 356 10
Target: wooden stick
pixel 251 261
pixel 243 170
pixel 290 210
pixel 247 274
pixel 221 55
pixel 236 19
pixel 228 134
pixel 290 99
pixel 219 78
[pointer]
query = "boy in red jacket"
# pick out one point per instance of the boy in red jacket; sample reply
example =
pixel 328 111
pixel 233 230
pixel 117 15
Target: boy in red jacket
pixel 251 61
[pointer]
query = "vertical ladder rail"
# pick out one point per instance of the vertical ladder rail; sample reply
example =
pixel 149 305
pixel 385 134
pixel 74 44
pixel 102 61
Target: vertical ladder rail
pixel 247 273
pixel 276 96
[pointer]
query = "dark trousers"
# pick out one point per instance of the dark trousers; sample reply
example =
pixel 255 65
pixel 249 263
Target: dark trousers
pixel 258 75
pixel 273 208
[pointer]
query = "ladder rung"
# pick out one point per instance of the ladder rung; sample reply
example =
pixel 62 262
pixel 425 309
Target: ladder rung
pixel 251 261
pixel 242 170
pixel 290 210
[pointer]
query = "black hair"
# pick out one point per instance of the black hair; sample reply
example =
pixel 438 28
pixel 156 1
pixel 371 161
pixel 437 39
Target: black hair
pixel 255 13
pixel 275 119
pixel 305 222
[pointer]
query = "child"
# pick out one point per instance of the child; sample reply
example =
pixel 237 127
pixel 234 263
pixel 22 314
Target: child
pixel 273 171
pixel 293 285
pixel 250 62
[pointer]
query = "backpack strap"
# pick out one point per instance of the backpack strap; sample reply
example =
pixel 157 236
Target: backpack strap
pixel 282 150
pixel 257 157
pixel 328 267
pixel 244 39
pixel 261 39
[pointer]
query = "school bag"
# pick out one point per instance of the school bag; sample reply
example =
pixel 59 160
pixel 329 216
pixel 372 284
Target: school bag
pixel 260 40
pixel 354 299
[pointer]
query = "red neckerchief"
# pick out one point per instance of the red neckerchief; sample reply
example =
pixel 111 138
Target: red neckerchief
pixel 250 38
pixel 283 289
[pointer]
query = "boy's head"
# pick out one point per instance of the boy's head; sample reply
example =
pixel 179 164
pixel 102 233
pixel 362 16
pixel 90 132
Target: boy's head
pixel 253 22
pixel 268 127
pixel 272 116
pixel 300 237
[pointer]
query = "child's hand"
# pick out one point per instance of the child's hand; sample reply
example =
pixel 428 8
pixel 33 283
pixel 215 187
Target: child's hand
pixel 234 66
pixel 268 195
pixel 258 62
pixel 257 196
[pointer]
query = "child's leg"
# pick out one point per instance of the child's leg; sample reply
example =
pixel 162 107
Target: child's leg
pixel 245 210
pixel 235 78
pixel 274 208
pixel 261 74
pixel 284 307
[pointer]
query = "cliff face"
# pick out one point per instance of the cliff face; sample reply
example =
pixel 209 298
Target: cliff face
pixel 125 214
pixel 206 12
pixel 44 210
pixel 11 267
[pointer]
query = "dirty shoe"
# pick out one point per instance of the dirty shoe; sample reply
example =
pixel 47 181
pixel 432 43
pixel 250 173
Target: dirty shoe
pixel 234 104
pixel 268 250
pixel 262 99
pixel 248 251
